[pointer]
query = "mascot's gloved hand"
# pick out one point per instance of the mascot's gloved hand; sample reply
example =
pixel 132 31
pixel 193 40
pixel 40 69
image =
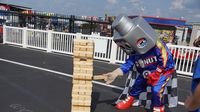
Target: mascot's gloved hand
pixel 153 78
pixel 111 76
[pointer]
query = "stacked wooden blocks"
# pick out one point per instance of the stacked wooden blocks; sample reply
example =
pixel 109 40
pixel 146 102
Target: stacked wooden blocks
pixel 82 76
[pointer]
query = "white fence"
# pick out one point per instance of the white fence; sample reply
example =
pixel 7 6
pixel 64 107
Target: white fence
pixel 105 48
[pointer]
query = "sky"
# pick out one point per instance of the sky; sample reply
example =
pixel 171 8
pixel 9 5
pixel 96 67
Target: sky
pixel 185 9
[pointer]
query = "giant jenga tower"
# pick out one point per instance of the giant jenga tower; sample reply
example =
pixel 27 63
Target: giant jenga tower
pixel 82 75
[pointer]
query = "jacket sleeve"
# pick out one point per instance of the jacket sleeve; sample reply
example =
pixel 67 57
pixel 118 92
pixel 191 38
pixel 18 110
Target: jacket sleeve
pixel 128 65
pixel 196 73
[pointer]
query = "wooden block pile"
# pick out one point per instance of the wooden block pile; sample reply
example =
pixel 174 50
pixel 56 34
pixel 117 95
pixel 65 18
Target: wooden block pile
pixel 82 75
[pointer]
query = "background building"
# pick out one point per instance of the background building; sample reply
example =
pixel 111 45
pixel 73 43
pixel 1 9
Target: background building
pixel 171 30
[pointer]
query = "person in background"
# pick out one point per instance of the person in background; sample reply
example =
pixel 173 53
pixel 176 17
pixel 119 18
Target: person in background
pixel 192 103
pixel 196 42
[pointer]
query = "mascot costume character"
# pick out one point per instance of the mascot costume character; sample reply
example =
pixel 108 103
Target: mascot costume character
pixel 151 59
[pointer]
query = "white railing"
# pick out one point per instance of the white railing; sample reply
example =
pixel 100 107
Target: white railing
pixel 105 48
pixel 35 39
pixel 184 57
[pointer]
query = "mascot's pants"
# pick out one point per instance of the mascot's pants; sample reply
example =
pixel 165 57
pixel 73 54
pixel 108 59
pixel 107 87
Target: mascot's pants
pixel 157 90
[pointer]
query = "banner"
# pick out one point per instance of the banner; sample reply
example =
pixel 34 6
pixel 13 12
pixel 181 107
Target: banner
pixel 166 35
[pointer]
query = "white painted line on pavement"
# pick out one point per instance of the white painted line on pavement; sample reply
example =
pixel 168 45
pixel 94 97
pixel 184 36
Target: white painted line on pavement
pixel 181 103
pixel 64 74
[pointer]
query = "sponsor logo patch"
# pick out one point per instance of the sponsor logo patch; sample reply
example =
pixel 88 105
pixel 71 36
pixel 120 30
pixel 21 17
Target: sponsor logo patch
pixel 141 43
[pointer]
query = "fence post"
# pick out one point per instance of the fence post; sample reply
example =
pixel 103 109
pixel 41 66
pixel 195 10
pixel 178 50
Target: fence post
pixel 4 34
pixel 78 35
pixel 113 52
pixel 49 40
pixel 24 38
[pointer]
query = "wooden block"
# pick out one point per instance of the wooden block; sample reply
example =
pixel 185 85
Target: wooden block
pixel 83 52
pixel 82 92
pixel 75 107
pixel 84 63
pixel 76 70
pixel 85 93
pixel 99 77
pixel 83 70
pixel 82 82
pixel 83 74
pixel 85 108
pixel 83 46
pixel 81 102
pixel 83 59
pixel 76 102
pixel 90 43
pixel 77 65
pixel 89 71
pixel 78 108
pixel 86 86
pixel 83 78
pixel 88 78
pixel 89 55
pixel 79 81
pixel 83 43
pixel 75 81
pixel 76 43
pixel 90 49
pixel 85 66
pixel 83 49
pixel 75 54
pixel 88 82
pixel 87 102
pixel 80 78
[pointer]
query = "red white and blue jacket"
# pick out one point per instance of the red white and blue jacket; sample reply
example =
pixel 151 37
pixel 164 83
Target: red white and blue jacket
pixel 159 59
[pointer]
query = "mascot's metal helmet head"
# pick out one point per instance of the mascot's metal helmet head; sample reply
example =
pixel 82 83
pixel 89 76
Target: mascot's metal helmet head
pixel 134 35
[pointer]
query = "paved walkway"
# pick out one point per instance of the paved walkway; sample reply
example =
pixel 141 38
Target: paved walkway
pixel 36 81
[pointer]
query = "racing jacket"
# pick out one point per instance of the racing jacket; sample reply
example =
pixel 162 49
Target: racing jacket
pixel 159 59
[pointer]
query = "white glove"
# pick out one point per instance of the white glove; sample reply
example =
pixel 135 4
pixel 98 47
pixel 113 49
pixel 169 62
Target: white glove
pixel 111 76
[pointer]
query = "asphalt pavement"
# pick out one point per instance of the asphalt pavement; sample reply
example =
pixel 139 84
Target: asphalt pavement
pixel 36 81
